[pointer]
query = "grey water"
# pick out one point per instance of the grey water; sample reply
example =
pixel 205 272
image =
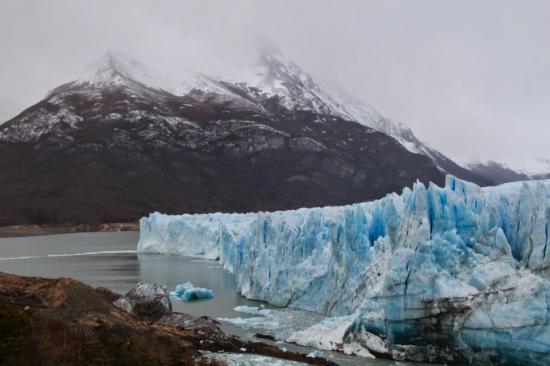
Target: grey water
pixel 110 260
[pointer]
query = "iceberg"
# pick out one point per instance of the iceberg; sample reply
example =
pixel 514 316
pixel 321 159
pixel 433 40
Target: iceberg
pixel 187 292
pixel 436 274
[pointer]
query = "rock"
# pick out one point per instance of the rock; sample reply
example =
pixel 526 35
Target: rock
pixel 146 300
pixel 306 144
pixel 201 325
pixel 85 328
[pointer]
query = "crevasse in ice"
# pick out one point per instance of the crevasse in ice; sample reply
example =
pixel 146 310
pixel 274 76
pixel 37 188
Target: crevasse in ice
pixel 458 273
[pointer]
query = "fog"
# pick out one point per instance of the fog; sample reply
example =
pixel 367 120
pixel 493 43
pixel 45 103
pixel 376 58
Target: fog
pixel 471 78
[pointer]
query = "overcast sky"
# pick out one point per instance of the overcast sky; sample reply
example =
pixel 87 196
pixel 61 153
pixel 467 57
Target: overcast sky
pixel 472 78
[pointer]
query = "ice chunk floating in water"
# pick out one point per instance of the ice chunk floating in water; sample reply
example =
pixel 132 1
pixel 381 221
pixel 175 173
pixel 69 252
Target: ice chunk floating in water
pixel 455 273
pixel 187 292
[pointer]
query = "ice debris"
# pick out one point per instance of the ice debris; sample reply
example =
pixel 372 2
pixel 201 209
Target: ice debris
pixel 187 292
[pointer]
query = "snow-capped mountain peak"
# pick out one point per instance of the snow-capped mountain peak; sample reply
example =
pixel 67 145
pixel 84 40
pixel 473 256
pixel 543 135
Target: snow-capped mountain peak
pixel 270 86
pixel 271 76
pixel 300 91
pixel 114 69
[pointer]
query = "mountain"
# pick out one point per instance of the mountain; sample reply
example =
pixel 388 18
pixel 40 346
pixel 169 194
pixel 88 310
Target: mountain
pixel 364 114
pixel 125 140
pixel 503 173
pixel 497 172
pixel 3 116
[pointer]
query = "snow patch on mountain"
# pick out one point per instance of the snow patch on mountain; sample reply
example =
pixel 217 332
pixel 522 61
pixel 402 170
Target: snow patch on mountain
pixel 368 116
pixel 42 121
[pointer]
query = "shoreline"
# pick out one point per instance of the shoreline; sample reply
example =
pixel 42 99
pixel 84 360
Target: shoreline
pixel 14 231
pixel 64 321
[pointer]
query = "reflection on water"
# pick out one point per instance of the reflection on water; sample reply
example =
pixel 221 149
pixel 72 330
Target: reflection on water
pixel 109 260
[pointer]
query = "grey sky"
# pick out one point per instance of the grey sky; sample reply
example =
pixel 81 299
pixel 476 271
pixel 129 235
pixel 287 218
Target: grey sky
pixel 472 78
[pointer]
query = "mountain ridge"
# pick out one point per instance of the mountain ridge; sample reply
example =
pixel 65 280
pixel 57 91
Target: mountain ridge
pixel 272 77
pixel 504 173
pixel 109 147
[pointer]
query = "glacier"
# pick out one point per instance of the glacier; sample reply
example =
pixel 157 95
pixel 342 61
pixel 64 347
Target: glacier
pixel 439 274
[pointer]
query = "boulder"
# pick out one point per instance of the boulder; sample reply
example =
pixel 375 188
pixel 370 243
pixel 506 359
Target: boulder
pixel 146 300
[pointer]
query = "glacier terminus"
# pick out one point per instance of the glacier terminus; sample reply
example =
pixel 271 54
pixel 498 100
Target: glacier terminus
pixel 455 274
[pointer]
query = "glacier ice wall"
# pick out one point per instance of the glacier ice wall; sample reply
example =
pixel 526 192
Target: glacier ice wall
pixel 458 273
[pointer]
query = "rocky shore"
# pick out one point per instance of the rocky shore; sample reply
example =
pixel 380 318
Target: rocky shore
pixel 65 322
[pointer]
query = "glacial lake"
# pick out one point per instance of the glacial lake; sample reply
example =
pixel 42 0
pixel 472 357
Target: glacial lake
pixel 110 260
